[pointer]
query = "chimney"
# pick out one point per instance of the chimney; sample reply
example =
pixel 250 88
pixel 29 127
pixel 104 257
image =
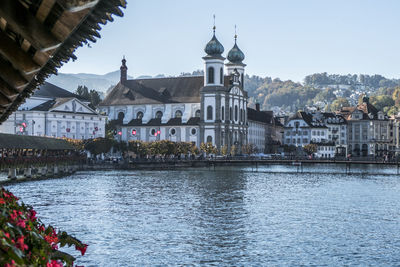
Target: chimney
pixel 124 71
pixel 258 106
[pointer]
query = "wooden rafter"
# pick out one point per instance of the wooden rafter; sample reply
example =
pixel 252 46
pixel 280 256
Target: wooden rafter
pixel 20 20
pixel 16 55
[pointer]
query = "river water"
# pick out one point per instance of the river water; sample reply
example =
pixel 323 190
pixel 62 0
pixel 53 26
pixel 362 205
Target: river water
pixel 232 216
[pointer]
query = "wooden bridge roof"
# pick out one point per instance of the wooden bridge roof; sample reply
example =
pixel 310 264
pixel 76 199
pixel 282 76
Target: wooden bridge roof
pixel 14 141
pixel 39 36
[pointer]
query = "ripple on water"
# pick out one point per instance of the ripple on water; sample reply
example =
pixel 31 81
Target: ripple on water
pixel 230 216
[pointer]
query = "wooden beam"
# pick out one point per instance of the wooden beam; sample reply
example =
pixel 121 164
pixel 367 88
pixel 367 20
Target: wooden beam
pixel 20 20
pixel 20 59
pixel 7 90
pixel 77 5
pixel 4 100
pixel 11 75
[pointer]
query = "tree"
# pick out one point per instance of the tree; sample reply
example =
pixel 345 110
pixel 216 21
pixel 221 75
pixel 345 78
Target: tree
pixel 310 148
pixel 339 103
pixel 233 151
pixel 224 150
pixel 396 96
pixel 83 92
pixel 382 101
pixel 99 145
pixel 94 98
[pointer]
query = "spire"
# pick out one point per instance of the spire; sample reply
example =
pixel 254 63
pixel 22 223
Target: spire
pixel 235 55
pixel 124 71
pixel 214 25
pixel 214 48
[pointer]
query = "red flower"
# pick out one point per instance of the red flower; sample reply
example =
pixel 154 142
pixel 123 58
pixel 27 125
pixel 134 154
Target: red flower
pixel 20 243
pixel 82 248
pixel 21 223
pixel 32 215
pixel 54 263
pixel 12 264
pixel 2 201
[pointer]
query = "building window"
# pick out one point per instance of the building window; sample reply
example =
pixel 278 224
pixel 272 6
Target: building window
pixel 197 113
pixel 223 113
pixel 210 75
pixel 221 76
pixel 159 115
pixel 209 113
pixel 139 115
pixel 172 131
pixel 153 132
pixel 236 113
pixel 178 114
pixel 121 116
pixel 194 131
pixel 230 114
pixel 209 139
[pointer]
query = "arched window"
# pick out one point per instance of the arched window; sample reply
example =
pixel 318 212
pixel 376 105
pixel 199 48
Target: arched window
pixel 159 115
pixel 209 113
pixel 121 116
pixel 139 115
pixel 209 139
pixel 223 113
pixel 230 114
pixel 241 114
pixel 236 113
pixel 221 76
pixel 197 113
pixel 242 80
pixel 210 75
pixel 178 114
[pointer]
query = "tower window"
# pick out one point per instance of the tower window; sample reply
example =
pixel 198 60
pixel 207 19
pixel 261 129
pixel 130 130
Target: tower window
pixel 230 114
pixel 197 113
pixel 139 115
pixel 209 139
pixel 159 115
pixel 178 114
pixel 223 113
pixel 210 75
pixel 221 76
pixel 121 116
pixel 236 113
pixel 209 113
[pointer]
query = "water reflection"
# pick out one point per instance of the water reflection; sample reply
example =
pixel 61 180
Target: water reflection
pixel 226 217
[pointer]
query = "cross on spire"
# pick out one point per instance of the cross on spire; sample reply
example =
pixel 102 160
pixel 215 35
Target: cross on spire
pixel 214 24
pixel 235 34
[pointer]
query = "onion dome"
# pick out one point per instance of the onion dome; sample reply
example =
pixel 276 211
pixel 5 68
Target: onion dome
pixel 236 55
pixel 214 47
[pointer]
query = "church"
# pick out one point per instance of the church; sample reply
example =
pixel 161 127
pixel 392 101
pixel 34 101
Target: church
pixel 199 109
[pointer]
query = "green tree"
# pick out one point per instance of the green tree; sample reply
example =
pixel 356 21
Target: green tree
pixel 382 101
pixel 99 145
pixel 310 148
pixel 339 103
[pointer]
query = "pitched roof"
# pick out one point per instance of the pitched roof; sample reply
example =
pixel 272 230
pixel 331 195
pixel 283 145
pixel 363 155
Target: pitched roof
pixel 369 111
pixel 14 141
pixel 260 116
pixel 184 89
pixel 53 32
pixel 50 90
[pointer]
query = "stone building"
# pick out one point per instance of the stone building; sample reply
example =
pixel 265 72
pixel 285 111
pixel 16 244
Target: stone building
pixel 210 108
pixel 53 111
pixel 368 130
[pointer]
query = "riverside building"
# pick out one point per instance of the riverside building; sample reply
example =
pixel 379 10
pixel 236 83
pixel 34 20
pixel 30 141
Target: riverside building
pixel 53 111
pixel 327 130
pixel 210 108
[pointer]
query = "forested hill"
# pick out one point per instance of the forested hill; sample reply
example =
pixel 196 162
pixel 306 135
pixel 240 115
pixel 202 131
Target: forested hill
pixel 328 91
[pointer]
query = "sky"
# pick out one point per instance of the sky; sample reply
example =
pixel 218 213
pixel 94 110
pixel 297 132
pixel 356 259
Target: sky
pixel 288 39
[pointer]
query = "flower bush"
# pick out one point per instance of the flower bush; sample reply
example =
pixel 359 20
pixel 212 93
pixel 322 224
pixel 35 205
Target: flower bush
pixel 26 241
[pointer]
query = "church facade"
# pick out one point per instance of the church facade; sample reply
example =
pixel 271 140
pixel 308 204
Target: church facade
pixel 199 109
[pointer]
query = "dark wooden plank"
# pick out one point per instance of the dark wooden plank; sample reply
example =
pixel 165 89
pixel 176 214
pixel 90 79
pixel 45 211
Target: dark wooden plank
pixel 77 5
pixel 7 90
pixel 11 76
pixel 20 20
pixel 20 59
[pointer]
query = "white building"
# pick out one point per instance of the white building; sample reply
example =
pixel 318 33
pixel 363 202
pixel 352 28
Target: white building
pixel 369 132
pixel 55 112
pixel 210 108
pixel 326 130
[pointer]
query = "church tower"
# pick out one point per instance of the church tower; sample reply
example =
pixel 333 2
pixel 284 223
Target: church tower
pixel 124 71
pixel 236 57
pixel 210 117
